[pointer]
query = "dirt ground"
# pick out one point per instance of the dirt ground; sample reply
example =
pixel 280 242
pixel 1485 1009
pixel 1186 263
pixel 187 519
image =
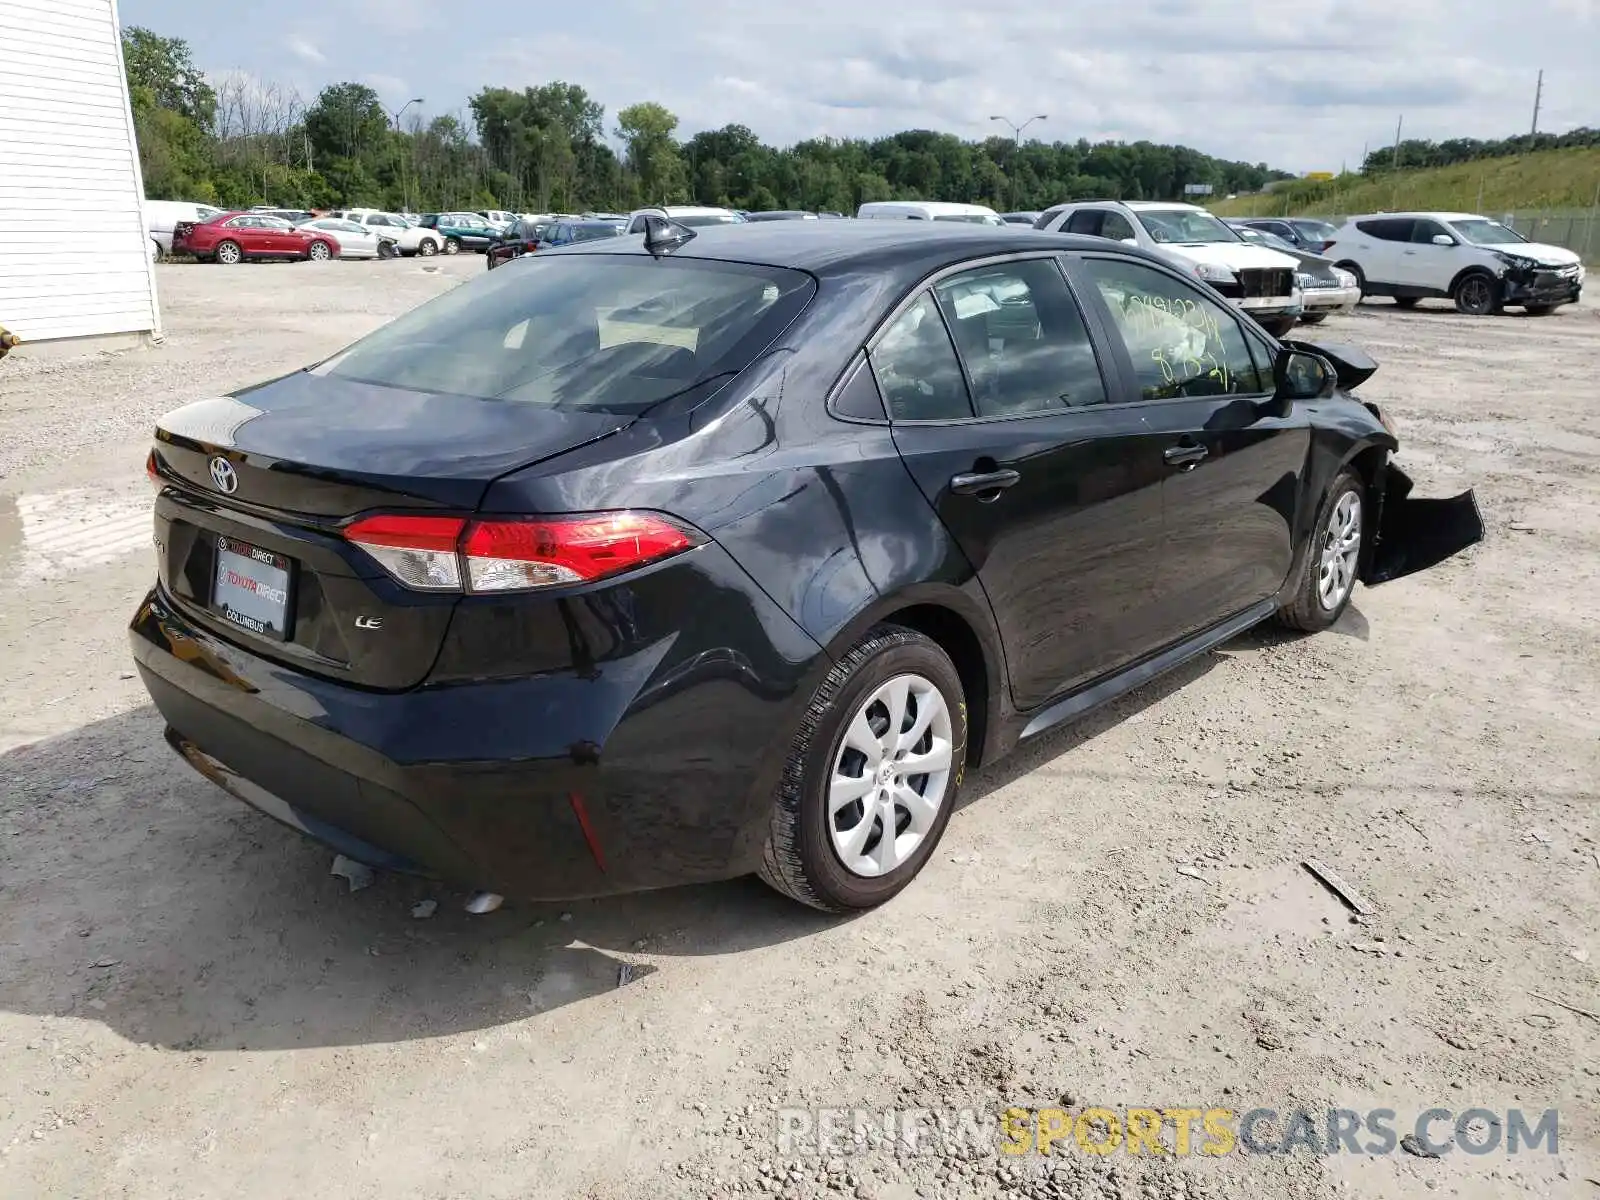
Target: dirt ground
pixel 190 1005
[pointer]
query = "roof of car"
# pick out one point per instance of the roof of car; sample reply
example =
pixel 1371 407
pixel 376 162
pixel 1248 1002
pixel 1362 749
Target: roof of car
pixel 1434 216
pixel 824 247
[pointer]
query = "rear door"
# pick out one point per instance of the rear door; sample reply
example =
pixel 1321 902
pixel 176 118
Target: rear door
pixel 1381 244
pixel 1233 467
pixel 1052 490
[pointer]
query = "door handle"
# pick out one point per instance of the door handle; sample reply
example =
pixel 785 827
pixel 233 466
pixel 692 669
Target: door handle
pixel 975 483
pixel 1184 457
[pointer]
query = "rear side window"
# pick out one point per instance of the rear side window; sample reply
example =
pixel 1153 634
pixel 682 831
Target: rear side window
pixel 1085 221
pixel 610 333
pixel 1182 342
pixel 916 367
pixel 1387 229
pixel 1022 339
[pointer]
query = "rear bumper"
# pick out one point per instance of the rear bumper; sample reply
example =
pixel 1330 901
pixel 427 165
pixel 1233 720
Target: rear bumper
pixel 640 772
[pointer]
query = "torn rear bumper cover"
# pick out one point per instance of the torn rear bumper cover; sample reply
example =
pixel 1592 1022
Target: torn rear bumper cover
pixel 1415 534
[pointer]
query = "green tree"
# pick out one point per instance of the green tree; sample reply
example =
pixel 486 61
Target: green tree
pixel 166 67
pixel 347 120
pixel 653 155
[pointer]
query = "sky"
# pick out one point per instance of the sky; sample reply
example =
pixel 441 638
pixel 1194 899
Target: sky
pixel 1304 85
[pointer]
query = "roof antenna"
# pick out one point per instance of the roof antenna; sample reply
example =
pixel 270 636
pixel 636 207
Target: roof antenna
pixel 662 235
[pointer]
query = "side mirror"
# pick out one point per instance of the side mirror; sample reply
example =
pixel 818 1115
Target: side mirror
pixel 1300 375
pixel 1443 239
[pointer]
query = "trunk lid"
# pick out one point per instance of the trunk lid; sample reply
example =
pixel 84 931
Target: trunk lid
pixel 281 468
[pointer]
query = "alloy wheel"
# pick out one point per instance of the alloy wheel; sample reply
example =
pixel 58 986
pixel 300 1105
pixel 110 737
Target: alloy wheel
pixel 228 254
pixel 891 774
pixel 1341 550
pixel 319 252
pixel 428 248
pixel 1476 294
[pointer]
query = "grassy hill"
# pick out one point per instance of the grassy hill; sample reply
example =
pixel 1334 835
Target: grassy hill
pixel 1549 179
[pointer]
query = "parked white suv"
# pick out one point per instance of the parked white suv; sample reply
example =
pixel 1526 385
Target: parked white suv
pixel 407 238
pixel 1479 264
pixel 1255 279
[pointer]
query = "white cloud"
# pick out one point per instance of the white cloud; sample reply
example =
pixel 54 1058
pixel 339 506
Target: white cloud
pixel 304 48
pixel 1303 86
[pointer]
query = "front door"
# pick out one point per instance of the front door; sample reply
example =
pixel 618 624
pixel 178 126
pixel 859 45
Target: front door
pixel 1426 265
pixel 1233 464
pixel 1052 492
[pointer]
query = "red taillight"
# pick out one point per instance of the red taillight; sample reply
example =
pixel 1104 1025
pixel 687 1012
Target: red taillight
pixel 420 552
pixel 451 554
pixel 151 471
pixel 532 246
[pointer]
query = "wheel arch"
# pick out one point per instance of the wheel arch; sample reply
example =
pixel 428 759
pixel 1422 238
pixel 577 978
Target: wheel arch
pixel 1474 269
pixel 949 618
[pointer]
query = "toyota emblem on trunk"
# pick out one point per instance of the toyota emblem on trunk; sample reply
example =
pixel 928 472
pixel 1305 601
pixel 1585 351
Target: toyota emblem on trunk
pixel 224 476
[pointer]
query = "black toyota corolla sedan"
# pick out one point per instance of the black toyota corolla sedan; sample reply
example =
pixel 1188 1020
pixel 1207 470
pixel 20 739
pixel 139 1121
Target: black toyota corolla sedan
pixel 678 557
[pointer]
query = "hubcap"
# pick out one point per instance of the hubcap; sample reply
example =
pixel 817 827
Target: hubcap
pixel 228 254
pixel 1341 548
pixel 891 775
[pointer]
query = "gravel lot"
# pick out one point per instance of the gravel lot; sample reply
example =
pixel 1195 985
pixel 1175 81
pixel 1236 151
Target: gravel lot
pixel 191 1006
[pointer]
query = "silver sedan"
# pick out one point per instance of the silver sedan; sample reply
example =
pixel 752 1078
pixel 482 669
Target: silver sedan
pixel 355 241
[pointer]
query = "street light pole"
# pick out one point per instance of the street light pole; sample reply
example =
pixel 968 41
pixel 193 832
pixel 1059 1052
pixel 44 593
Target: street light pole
pixel 405 198
pixel 1017 129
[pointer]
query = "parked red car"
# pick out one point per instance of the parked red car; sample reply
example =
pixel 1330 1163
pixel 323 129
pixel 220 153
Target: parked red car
pixel 233 237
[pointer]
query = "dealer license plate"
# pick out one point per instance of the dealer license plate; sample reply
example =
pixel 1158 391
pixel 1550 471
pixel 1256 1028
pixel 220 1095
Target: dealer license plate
pixel 252 588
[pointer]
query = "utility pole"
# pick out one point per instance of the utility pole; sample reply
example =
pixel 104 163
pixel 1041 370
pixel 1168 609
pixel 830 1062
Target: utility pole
pixel 1538 95
pixel 1399 121
pixel 405 192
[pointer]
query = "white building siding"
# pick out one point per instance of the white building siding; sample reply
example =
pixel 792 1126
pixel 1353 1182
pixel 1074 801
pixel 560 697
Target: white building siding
pixel 74 257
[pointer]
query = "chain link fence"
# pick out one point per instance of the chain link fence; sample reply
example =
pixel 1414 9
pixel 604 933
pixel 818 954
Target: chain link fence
pixel 1577 229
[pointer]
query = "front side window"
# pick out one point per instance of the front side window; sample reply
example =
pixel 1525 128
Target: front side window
pixel 1117 227
pixel 1182 342
pixel 1424 232
pixel 916 367
pixel 1022 339
pixel 589 332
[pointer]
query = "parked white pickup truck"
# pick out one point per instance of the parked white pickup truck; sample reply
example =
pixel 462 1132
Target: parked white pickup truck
pixel 1255 279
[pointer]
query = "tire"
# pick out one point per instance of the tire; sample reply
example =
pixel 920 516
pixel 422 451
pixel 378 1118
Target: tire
pixel 228 254
pixel 1313 318
pixel 1310 609
pixel 319 252
pixel 1539 310
pixel 387 249
pixel 1405 301
pixel 806 850
pixel 452 246
pixel 427 247
pixel 1476 294
pixel 1361 277
pixel 156 252
pixel 1278 326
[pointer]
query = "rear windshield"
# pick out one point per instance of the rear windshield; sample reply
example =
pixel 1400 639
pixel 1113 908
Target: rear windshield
pixel 602 332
